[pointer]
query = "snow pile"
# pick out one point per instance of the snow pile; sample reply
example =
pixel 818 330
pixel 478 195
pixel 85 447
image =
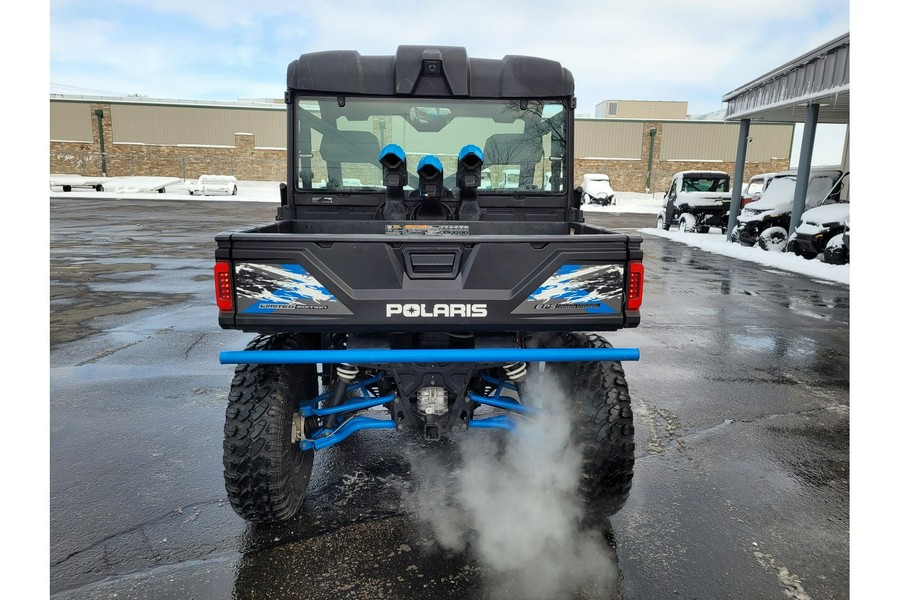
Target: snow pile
pixel 629 202
pixel 248 191
pixel 715 242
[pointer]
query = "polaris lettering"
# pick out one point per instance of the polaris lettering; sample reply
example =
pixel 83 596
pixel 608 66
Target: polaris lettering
pixel 416 311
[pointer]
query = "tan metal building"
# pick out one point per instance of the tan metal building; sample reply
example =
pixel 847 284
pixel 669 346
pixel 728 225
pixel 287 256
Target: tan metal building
pixel 169 122
pixel 139 136
pixel 641 109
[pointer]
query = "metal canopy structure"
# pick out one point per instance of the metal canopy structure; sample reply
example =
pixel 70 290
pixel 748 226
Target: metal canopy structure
pixel 821 76
pixel 813 88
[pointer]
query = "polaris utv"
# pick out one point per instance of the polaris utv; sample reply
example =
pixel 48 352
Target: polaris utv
pixel 823 226
pixel 409 293
pixel 766 221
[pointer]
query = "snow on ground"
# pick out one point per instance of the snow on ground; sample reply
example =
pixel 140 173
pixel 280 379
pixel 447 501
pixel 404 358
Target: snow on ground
pixel 628 202
pixel 783 261
pixel 267 191
pixel 715 241
pixel 248 191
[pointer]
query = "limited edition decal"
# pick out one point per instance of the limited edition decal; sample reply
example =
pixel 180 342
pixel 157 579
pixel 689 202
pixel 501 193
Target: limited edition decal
pixel 593 289
pixel 270 288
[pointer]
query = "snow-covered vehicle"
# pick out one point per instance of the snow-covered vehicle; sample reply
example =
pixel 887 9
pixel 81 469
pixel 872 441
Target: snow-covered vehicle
pixel 595 189
pixel 509 179
pixel 837 249
pixel 214 185
pixel 766 221
pixel 755 187
pixel 696 201
pixel 821 225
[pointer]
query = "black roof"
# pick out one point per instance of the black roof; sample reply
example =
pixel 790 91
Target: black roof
pixel 451 73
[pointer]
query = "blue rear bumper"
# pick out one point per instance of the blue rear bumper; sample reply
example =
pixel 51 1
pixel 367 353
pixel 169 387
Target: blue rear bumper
pixel 386 356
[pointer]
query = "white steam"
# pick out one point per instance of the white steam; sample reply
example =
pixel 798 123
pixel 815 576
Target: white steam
pixel 512 503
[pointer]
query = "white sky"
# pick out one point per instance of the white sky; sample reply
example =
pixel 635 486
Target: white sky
pixel 693 50
pixel 828 146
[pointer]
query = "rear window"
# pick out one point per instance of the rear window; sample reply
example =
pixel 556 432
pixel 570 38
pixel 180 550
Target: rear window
pixel 755 187
pixel 705 184
pixel 338 141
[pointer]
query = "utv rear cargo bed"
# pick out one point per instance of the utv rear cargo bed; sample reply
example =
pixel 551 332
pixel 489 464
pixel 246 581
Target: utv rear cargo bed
pixel 428 276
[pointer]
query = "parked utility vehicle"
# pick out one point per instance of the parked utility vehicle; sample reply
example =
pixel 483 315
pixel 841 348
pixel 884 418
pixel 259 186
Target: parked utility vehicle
pixel 597 190
pixel 509 179
pixel 837 250
pixel 433 304
pixel 696 201
pixel 766 221
pixel 755 188
pixel 821 224
pixel 214 185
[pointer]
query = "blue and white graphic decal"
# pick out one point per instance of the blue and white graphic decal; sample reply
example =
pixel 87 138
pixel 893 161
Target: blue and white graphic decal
pixel 595 289
pixel 268 288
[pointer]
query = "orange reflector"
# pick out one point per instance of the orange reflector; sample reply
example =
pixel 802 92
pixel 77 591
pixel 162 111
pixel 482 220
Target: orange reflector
pixel 635 285
pixel 222 275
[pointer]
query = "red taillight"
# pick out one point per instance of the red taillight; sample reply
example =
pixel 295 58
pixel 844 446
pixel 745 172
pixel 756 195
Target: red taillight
pixel 223 286
pixel 635 285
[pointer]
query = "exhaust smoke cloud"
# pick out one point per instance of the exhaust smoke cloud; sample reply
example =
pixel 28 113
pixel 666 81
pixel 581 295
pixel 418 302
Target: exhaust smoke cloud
pixel 511 502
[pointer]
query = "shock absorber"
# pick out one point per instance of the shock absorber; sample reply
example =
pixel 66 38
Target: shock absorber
pixel 346 373
pixel 516 372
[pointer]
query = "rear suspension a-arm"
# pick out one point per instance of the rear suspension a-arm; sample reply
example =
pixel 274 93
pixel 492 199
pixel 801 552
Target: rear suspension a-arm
pixel 335 412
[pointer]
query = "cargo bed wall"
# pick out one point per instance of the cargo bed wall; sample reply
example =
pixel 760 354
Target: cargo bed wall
pixel 368 281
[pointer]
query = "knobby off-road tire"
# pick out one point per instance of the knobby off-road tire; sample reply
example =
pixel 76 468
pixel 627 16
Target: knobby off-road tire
pixel 266 476
pixel 687 223
pixel 603 426
pixel 773 239
pixel 836 255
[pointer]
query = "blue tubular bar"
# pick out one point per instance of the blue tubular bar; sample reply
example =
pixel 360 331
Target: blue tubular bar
pixel 307 411
pixel 359 385
pixel 386 355
pixel 349 427
pixel 498 422
pixel 499 402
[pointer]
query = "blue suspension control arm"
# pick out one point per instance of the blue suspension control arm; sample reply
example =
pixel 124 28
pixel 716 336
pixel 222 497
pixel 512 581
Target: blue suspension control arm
pixel 350 426
pixel 308 411
pixel 326 438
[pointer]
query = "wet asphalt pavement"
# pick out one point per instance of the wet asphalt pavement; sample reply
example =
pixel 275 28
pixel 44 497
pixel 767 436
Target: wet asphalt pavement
pixel 741 402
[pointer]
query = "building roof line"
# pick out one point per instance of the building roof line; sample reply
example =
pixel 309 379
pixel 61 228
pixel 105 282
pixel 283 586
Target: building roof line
pixel 163 101
pixel 812 55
